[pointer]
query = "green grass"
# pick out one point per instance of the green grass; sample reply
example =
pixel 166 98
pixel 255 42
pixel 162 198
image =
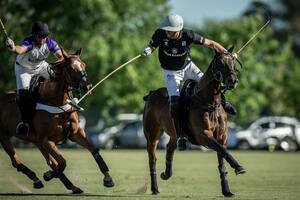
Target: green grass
pixel 195 176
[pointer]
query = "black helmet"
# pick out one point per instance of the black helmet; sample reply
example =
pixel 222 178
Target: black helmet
pixel 40 29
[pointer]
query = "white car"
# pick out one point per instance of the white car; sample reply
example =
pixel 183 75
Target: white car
pixel 270 132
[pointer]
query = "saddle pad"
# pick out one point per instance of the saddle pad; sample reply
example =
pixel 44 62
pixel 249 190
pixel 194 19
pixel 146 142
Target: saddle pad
pixel 53 109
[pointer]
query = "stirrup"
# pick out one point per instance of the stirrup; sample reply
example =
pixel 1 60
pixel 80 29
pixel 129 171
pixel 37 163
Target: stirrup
pixel 22 128
pixel 181 143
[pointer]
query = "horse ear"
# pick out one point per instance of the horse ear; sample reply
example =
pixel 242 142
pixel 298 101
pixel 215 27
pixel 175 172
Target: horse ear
pixel 230 50
pixel 65 55
pixel 78 52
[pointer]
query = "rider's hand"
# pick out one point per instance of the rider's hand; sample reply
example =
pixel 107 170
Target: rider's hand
pixel 147 51
pixel 75 101
pixel 234 55
pixel 10 44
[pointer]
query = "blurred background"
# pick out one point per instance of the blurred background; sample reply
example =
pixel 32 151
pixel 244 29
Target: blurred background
pixel 113 31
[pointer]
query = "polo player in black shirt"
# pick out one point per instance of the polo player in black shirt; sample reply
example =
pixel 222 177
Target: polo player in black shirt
pixel 174 56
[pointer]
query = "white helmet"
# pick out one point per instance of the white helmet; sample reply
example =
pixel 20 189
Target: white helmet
pixel 172 22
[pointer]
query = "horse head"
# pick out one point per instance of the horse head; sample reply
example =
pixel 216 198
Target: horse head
pixel 223 69
pixel 72 71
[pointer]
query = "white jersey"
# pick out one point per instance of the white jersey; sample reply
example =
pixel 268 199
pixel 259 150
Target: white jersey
pixel 35 56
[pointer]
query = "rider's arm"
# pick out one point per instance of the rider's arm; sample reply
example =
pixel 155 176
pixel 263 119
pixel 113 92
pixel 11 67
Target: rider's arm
pixel 59 55
pixel 156 39
pixel 20 49
pixel 55 49
pixel 214 45
pixel 154 42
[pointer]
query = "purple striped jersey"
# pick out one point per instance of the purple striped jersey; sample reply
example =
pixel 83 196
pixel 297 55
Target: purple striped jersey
pixel 35 55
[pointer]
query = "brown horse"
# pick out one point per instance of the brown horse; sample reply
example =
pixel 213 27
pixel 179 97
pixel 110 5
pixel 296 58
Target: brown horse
pixel 52 128
pixel 206 120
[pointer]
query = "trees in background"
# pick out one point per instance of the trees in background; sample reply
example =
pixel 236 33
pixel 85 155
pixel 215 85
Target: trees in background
pixel 268 80
pixel 112 32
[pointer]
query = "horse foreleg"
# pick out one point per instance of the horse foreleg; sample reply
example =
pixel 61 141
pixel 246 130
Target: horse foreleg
pixel 16 162
pixel 223 176
pixel 169 159
pixel 151 148
pixel 52 150
pixel 80 138
pixel 52 173
pixel 213 144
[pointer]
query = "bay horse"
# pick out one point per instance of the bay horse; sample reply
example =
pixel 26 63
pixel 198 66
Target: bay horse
pixel 206 120
pixel 50 128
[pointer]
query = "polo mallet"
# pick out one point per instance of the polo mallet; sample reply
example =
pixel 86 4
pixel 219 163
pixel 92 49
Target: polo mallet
pixel 3 28
pixel 264 26
pixel 107 76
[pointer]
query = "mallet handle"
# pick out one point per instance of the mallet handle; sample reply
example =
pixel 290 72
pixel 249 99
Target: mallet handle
pixel 253 36
pixel 3 28
pixel 106 77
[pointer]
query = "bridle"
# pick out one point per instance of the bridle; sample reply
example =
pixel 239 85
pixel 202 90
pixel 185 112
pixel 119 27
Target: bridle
pixel 69 82
pixel 221 73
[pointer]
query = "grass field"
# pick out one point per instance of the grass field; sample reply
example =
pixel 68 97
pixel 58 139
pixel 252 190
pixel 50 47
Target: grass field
pixel 195 176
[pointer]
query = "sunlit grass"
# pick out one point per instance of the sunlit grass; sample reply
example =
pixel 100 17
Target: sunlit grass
pixel 195 176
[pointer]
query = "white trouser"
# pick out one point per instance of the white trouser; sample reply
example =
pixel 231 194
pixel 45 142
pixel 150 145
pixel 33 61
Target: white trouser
pixel 24 75
pixel 173 78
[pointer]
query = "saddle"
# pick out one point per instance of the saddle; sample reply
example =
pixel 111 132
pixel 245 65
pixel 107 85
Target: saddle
pixel 35 82
pixel 33 96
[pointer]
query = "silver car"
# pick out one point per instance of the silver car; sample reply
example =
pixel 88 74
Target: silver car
pixel 128 133
pixel 270 132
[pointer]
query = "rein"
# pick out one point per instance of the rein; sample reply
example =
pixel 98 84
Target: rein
pixel 64 74
pixel 218 75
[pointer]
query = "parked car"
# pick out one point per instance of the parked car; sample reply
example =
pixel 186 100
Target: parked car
pixel 127 132
pixel 232 140
pixel 270 132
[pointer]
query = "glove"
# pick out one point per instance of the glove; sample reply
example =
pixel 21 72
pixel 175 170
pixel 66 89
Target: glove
pixel 147 51
pixel 10 44
pixel 74 102
pixel 234 55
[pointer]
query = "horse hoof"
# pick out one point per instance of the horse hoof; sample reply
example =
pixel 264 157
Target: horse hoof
pixel 155 192
pixel 38 184
pixel 163 176
pixel 108 183
pixel 76 190
pixel 228 194
pixel 48 175
pixel 239 170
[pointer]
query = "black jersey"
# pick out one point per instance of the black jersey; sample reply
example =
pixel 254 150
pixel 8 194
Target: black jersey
pixel 174 53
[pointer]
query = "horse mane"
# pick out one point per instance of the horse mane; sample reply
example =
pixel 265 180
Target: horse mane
pixel 205 78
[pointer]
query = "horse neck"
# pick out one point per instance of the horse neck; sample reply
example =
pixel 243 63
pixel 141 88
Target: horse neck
pixel 54 92
pixel 208 90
